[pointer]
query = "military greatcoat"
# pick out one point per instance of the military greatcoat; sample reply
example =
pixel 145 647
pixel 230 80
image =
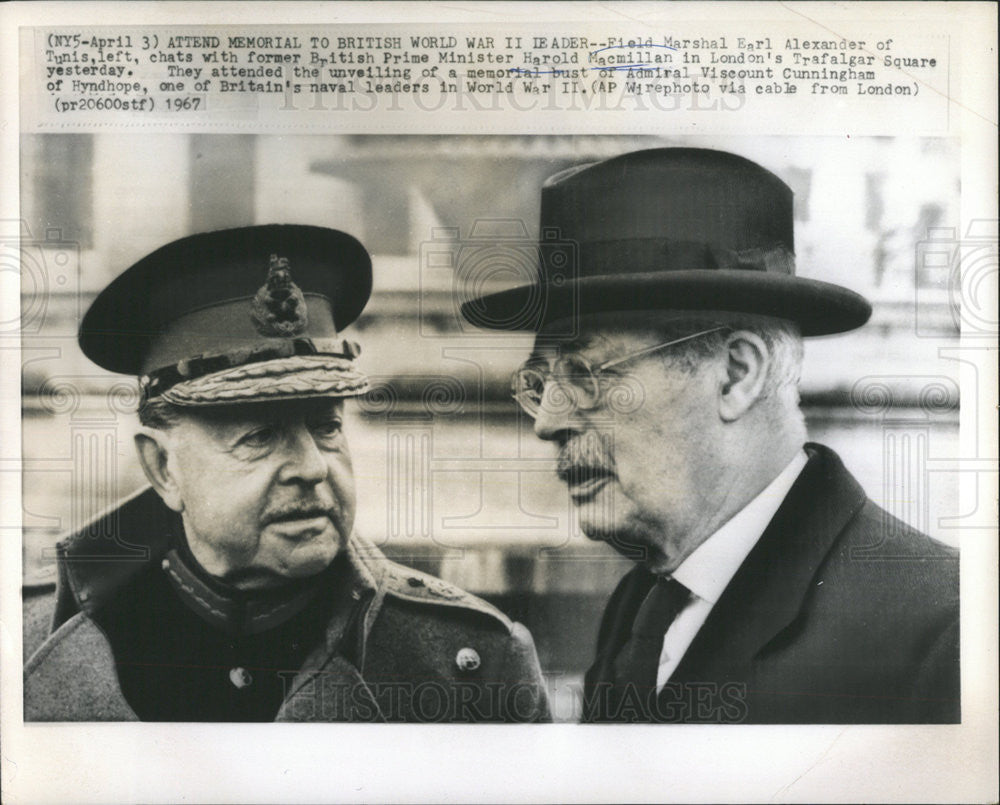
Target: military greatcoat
pixel 130 631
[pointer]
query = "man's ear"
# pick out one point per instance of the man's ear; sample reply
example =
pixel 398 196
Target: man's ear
pixel 153 446
pixel 747 363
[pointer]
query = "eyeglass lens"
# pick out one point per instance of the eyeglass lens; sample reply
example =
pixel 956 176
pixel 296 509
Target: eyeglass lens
pixel 574 376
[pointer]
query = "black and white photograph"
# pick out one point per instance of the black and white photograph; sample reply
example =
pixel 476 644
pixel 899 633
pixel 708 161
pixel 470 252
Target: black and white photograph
pixel 377 367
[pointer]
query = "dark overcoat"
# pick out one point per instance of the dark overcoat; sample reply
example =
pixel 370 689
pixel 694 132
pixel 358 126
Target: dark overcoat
pixel 840 614
pixel 404 646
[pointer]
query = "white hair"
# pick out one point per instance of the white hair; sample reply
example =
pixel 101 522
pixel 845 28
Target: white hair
pixel 782 338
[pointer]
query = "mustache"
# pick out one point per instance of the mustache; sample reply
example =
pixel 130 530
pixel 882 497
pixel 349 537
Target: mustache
pixel 588 453
pixel 300 510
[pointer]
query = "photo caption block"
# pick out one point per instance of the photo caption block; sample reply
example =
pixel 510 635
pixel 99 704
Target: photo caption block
pixel 692 75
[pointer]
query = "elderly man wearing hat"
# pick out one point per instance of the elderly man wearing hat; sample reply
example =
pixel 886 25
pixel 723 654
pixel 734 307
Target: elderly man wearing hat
pixel 767 586
pixel 235 588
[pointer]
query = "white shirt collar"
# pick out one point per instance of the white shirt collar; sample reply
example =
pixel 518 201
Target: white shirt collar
pixel 709 569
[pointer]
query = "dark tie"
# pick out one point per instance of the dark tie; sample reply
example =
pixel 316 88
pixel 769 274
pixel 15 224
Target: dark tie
pixel 639 660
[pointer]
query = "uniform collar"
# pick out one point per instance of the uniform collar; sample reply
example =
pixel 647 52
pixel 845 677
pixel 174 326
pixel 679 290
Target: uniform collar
pixel 709 569
pixel 238 612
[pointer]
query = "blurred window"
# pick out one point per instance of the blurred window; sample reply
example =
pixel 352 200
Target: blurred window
pixel 874 201
pixel 800 180
pixel 222 181
pixel 57 187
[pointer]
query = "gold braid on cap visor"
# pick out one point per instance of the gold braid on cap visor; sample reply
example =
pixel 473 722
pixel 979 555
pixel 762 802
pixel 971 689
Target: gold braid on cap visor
pixel 297 367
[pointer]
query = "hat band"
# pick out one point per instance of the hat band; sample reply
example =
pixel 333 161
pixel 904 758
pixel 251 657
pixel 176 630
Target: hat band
pixel 634 255
pixel 159 381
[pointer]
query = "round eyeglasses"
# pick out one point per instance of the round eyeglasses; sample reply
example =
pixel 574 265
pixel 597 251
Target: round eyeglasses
pixel 577 381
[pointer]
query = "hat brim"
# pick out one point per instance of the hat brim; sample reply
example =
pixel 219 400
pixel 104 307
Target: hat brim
pixel 296 378
pixel 819 308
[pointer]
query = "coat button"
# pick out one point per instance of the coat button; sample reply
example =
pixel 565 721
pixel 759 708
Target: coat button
pixel 467 659
pixel 240 677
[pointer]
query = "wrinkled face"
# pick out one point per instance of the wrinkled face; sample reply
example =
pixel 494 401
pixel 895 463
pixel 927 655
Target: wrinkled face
pixel 266 491
pixel 640 466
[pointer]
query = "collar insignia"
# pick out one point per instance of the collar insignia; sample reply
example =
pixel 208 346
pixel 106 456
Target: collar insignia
pixel 279 308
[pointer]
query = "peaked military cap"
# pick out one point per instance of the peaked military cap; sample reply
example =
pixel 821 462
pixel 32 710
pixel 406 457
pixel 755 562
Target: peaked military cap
pixel 673 229
pixel 236 315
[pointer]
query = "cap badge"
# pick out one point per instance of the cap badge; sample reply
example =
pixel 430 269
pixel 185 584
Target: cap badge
pixel 468 660
pixel 279 308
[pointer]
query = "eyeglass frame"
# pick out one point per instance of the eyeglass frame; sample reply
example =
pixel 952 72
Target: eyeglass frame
pixel 595 372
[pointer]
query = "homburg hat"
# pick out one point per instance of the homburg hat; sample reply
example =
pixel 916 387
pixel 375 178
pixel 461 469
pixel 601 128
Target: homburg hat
pixel 678 229
pixel 236 315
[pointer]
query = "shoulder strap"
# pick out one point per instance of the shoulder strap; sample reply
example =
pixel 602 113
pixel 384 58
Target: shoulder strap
pixel 413 585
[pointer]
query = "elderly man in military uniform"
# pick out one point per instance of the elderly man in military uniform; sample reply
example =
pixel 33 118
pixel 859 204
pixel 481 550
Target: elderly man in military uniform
pixel 767 586
pixel 253 598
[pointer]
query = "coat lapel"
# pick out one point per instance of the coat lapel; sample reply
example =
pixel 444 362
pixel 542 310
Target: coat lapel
pixel 109 551
pixel 616 625
pixel 769 589
pixel 329 686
